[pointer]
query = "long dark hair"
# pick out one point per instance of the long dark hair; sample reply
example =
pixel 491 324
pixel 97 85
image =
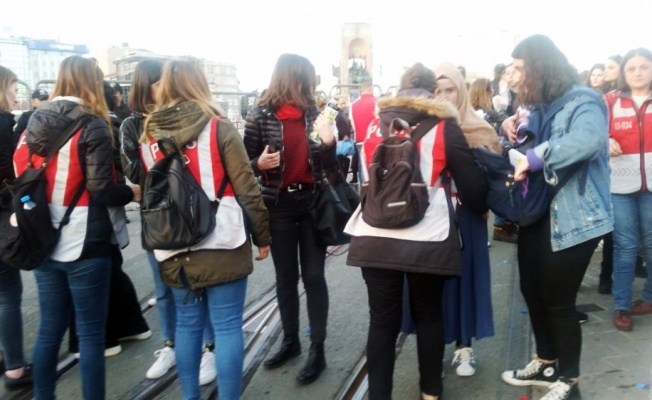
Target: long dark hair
pixel 548 74
pixel 293 81
pixel 147 72
pixel 603 87
pixel 641 51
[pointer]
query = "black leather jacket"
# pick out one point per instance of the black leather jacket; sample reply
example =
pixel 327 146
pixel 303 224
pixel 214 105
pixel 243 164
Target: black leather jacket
pixel 262 128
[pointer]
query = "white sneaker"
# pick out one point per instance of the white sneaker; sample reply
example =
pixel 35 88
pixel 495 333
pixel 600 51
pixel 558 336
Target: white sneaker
pixel 165 361
pixel 207 371
pixel 464 361
pixel 108 352
pixel 563 390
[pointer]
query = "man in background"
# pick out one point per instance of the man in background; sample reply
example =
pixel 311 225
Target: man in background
pixel 363 111
pixel 38 96
pixel 121 109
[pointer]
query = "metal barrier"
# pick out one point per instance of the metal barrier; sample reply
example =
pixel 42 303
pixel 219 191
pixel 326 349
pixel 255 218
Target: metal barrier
pixel 236 105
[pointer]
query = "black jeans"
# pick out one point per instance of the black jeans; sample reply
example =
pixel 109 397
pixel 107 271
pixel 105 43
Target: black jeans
pixel 549 283
pixel 607 266
pixel 295 247
pixel 385 289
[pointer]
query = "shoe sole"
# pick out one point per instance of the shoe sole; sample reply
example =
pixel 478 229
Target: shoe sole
pixel 518 382
pixel 140 336
pixel 281 364
pixel 464 375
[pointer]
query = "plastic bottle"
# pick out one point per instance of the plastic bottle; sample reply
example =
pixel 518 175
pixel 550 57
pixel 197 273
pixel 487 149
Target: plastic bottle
pixel 330 112
pixel 28 204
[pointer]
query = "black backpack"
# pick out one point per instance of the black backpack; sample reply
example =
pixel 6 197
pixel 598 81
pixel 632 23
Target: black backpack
pixel 396 196
pixel 27 236
pixel 175 212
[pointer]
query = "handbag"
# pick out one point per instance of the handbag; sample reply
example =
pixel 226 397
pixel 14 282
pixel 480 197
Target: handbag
pixel 345 148
pixel 330 211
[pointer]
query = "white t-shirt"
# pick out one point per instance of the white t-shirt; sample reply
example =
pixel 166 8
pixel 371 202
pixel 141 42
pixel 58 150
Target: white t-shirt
pixel 639 100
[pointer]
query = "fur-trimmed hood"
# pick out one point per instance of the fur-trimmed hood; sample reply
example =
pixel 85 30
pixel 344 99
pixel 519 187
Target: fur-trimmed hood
pixel 427 106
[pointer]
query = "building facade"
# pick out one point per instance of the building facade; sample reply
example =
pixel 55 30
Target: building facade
pixel 35 60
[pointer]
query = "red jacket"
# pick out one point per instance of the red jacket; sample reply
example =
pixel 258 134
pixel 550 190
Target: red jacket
pixel 363 112
pixel 631 127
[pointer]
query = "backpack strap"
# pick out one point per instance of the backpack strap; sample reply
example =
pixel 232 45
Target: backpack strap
pixel 445 180
pixel 61 141
pixel 225 180
pixel 423 128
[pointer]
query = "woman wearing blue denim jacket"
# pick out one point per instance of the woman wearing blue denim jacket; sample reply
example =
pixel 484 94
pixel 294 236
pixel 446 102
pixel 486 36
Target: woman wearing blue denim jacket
pixel 554 253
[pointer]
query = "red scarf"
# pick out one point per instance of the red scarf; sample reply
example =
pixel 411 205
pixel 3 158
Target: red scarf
pixel 289 112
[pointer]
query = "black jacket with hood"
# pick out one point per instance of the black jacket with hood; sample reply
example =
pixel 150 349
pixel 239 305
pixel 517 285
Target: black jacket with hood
pixel 7 123
pixel 95 151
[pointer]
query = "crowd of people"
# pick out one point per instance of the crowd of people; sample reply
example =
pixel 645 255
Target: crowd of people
pixel 600 147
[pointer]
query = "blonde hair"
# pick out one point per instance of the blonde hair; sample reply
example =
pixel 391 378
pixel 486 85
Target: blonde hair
pixel 7 78
pixel 183 80
pixel 81 77
pixel 480 94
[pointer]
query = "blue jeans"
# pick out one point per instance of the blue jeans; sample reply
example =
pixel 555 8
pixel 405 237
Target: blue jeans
pixel 11 318
pixel 224 305
pixel 632 226
pixel 165 307
pixel 84 284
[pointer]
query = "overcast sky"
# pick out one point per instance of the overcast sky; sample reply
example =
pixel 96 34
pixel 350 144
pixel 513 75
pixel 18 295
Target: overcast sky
pixel 252 34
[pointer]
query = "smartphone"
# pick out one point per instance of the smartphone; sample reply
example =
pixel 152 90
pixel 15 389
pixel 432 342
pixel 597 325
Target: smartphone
pixel 516 157
pixel 272 147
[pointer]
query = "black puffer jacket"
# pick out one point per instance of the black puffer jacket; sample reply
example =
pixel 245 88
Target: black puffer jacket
pixel 130 132
pixel 7 123
pixel 95 152
pixel 264 128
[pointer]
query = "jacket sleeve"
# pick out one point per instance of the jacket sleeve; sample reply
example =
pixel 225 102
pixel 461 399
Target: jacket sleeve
pixel 132 165
pixel 469 178
pixel 6 151
pixel 100 169
pixel 21 125
pixel 244 183
pixel 253 140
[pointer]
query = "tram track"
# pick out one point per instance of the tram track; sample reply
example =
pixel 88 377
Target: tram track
pixel 261 327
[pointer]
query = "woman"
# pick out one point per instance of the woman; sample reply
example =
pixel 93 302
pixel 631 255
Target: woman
pixel 630 126
pixel 209 280
pixel 468 311
pixel 596 78
pixel 81 263
pixel 612 73
pixel 554 253
pixel 144 85
pixel 12 361
pixel 291 146
pixel 390 256
pixel 480 97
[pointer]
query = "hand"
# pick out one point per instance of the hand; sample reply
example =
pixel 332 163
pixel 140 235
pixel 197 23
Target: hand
pixel 137 193
pixel 509 127
pixel 263 252
pixel 521 169
pixel 614 148
pixel 269 160
pixel 325 129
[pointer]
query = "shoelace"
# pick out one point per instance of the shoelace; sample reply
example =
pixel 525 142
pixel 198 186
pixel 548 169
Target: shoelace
pixel 532 368
pixel 462 356
pixel 159 353
pixel 558 391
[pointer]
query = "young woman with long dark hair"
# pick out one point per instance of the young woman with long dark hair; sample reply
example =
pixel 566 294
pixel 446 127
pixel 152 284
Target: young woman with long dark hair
pixel 554 253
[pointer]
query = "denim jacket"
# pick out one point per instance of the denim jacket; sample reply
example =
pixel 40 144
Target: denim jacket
pixel 579 145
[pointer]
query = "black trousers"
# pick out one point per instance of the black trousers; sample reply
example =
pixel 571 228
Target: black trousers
pixel 385 290
pixel 295 249
pixel 607 266
pixel 549 283
pixel 124 317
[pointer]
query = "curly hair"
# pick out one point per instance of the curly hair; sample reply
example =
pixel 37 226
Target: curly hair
pixel 548 74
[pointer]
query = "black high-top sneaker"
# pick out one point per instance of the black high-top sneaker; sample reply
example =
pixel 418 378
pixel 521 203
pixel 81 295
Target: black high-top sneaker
pixel 535 373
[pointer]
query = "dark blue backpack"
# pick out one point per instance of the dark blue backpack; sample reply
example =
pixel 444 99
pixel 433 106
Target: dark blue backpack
pixel 525 202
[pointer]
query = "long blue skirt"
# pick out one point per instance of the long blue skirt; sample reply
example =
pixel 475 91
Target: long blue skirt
pixel 467 307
